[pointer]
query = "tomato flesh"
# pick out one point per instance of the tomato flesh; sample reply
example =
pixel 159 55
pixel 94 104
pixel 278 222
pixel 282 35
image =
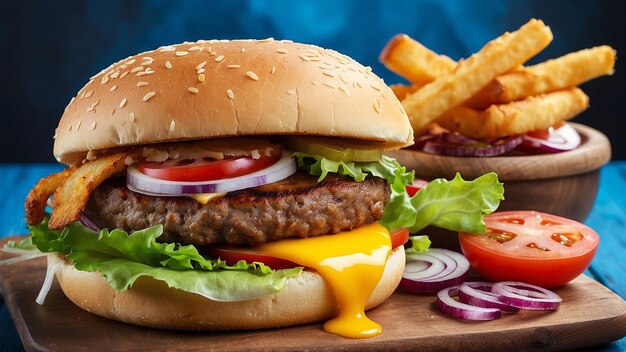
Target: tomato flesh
pixel 416 186
pixel 195 170
pixel 538 248
pixel 232 255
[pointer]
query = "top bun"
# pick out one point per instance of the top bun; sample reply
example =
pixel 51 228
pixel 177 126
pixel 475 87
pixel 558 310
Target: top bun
pixel 221 88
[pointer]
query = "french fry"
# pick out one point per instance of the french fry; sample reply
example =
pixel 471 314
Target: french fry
pixel 498 56
pixel 71 197
pixel 566 71
pixel 413 61
pixel 402 90
pixel 532 113
pixel 35 204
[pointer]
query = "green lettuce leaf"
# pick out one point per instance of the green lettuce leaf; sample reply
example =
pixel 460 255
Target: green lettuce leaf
pixel 122 258
pixel 456 205
pixel 420 244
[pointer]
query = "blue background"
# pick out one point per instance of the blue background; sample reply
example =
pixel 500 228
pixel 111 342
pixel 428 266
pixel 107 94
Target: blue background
pixel 51 48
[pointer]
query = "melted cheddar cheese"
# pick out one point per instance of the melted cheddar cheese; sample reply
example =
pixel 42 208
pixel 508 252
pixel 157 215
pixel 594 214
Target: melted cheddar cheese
pixel 352 263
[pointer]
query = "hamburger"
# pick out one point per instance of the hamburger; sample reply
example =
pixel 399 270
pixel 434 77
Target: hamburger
pixel 225 185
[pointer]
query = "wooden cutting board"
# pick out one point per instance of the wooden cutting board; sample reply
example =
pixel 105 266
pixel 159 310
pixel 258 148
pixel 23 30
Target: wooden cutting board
pixel 590 315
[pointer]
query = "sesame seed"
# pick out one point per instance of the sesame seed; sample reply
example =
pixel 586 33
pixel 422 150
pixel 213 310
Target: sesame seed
pixel 377 106
pixel 94 125
pixel 273 70
pixel 172 126
pixel 267 40
pixel 78 124
pixel 375 87
pixel 136 69
pixel 291 92
pixel 181 53
pixel 193 90
pixel 305 58
pixel 69 128
pixel 243 50
pixel 142 73
pixel 357 84
pixel 201 65
pixel 252 75
pixel 168 64
pixel 149 71
pixel 233 66
pixel 201 77
pixel 131 117
pixel 343 78
pixel 148 96
pixel 219 58
pixel 147 58
pixel 329 74
pixel 70 103
pixel 123 74
pixel 230 94
pixel 142 84
pixel 122 103
pixel 88 94
pixel 213 53
pixel 282 51
pixel 167 48
pixel 315 83
pixel 200 71
pixel 115 74
pixel 330 84
pixel 345 90
pixel 130 62
pixel 194 48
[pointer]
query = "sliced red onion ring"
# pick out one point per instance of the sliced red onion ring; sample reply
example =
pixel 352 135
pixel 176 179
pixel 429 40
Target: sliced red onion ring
pixel 453 144
pixel 561 139
pixel 479 294
pixel 449 306
pixel 526 296
pixel 138 182
pixel 89 223
pixel 445 268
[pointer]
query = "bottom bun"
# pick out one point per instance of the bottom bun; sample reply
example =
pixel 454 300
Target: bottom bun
pixel 304 299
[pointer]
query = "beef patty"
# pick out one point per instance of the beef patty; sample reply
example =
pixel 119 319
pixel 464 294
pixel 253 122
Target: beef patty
pixel 296 207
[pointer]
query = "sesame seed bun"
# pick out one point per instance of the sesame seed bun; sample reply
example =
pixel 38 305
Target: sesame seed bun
pixel 305 299
pixel 220 88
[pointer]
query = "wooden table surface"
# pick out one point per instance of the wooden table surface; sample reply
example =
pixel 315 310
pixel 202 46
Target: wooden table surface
pixel 608 217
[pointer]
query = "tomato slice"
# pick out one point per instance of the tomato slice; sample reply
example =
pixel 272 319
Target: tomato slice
pixel 399 237
pixel 415 186
pixel 194 170
pixel 538 248
pixel 232 255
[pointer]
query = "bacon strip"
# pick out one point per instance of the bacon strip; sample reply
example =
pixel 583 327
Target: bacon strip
pixel 70 189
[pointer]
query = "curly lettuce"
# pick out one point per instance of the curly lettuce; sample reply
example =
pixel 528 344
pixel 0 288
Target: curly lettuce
pixel 122 258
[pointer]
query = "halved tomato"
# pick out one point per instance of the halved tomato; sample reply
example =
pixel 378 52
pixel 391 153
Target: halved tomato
pixel 538 248
pixel 234 254
pixel 206 169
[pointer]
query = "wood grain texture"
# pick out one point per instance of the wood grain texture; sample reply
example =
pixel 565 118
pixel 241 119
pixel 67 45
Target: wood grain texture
pixel 590 315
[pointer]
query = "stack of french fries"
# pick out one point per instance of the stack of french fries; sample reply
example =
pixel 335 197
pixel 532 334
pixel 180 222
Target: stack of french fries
pixel 491 94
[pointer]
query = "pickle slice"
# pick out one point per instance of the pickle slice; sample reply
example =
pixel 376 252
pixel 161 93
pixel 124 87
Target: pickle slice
pixel 337 149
